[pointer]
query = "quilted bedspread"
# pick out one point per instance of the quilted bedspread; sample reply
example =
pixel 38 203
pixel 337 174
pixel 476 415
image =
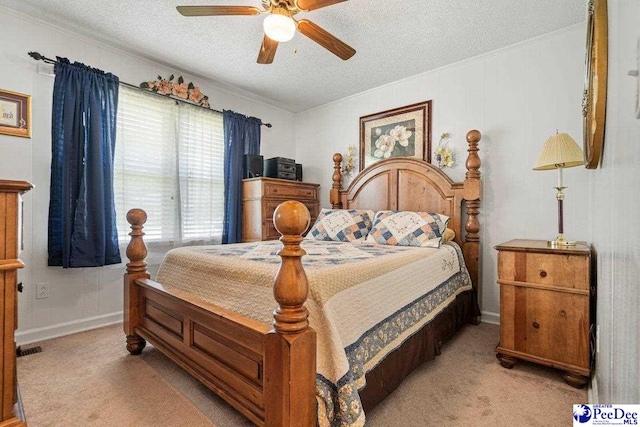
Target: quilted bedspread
pixel 364 301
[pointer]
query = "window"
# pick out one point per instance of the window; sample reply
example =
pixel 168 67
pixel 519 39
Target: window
pixel 201 172
pixel 169 162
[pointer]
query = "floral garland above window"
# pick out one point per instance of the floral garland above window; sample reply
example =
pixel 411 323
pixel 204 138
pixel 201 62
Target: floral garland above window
pixel 178 89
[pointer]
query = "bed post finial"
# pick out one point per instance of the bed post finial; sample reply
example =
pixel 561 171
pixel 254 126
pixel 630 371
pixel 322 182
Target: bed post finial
pixel 291 288
pixel 334 194
pixel 137 249
pixel 472 195
pixel 473 160
pixel 290 369
pixel 136 269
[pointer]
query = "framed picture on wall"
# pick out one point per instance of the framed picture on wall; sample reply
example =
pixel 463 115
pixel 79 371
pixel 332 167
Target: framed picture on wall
pixel 401 132
pixel 15 114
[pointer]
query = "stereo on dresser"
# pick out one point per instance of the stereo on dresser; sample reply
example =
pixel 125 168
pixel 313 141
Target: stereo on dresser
pixel 280 167
pixel 298 172
pixel 253 166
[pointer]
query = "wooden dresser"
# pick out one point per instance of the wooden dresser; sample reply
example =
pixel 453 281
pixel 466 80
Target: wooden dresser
pixel 10 242
pixel 545 299
pixel 261 196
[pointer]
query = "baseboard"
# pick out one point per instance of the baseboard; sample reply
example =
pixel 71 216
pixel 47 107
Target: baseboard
pixel 490 317
pixel 592 390
pixel 40 334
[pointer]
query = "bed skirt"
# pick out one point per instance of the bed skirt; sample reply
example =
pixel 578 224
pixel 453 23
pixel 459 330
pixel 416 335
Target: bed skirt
pixel 422 346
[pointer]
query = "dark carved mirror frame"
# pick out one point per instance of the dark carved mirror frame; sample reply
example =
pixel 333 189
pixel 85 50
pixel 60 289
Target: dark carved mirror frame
pixel 594 101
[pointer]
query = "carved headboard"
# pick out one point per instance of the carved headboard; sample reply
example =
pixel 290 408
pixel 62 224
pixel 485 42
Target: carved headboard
pixel 408 184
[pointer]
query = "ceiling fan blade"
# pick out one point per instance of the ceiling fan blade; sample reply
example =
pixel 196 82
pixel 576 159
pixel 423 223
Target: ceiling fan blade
pixel 267 51
pixel 325 39
pixel 316 4
pixel 217 10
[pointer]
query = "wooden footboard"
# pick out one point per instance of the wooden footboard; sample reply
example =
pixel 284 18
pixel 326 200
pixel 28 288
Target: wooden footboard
pixel 268 374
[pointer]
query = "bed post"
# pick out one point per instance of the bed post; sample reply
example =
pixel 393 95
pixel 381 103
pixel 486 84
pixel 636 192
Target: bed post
pixel 334 194
pixel 136 269
pixel 290 348
pixel 472 194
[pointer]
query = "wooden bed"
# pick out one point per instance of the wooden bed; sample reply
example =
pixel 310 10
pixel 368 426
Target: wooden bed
pixel 269 374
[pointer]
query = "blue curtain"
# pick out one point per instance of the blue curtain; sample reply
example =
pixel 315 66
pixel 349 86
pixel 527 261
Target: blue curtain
pixel 241 136
pixel 82 215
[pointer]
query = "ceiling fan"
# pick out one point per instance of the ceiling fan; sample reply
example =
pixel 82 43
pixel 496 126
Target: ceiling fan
pixel 279 25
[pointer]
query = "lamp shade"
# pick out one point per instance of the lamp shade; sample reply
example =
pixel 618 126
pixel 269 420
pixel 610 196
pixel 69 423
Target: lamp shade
pixel 560 151
pixel 278 27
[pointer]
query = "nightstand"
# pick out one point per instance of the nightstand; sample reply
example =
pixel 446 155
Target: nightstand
pixel 545 299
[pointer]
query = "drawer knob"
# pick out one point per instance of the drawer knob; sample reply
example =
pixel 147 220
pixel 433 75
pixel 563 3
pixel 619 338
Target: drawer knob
pixel 536 325
pixel 562 313
pixel 543 273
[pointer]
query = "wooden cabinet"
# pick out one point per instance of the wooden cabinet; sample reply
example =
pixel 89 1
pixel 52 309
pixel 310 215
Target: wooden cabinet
pixel 10 241
pixel 261 197
pixel 545 299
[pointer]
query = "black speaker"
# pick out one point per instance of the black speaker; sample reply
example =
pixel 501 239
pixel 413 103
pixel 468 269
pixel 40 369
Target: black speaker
pixel 253 166
pixel 298 172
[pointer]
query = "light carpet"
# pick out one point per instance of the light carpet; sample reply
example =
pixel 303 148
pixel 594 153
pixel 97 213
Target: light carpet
pixel 88 379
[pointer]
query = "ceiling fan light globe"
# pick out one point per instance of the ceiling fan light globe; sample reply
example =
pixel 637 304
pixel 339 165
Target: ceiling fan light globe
pixel 279 28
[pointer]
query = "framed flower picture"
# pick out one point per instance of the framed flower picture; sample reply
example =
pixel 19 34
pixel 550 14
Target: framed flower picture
pixel 15 114
pixel 401 132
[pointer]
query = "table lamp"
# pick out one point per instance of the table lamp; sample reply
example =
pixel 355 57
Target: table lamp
pixel 559 152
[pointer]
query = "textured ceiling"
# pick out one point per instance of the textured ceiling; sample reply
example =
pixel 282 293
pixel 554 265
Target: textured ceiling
pixel 394 39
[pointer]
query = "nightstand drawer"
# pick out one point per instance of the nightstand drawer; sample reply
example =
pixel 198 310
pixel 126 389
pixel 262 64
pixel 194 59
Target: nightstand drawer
pixel 557 270
pixel 544 323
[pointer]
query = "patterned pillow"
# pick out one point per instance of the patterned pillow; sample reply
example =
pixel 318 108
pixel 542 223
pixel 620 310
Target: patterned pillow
pixel 406 228
pixel 342 225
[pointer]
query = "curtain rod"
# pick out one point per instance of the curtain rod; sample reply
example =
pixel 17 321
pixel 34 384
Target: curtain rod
pixel 39 57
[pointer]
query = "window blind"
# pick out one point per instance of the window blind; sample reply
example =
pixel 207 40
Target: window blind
pixel 169 162
pixel 201 173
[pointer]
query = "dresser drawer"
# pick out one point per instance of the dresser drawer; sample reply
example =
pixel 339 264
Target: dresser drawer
pixel 557 270
pixel 296 192
pixel 271 205
pixel 548 324
pixel 272 233
pixel 261 197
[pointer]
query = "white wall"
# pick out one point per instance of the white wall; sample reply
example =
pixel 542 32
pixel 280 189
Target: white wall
pixel 516 97
pixel 616 231
pixel 92 296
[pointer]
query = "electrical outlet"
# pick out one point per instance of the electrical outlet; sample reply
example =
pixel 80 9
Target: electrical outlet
pixel 42 290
